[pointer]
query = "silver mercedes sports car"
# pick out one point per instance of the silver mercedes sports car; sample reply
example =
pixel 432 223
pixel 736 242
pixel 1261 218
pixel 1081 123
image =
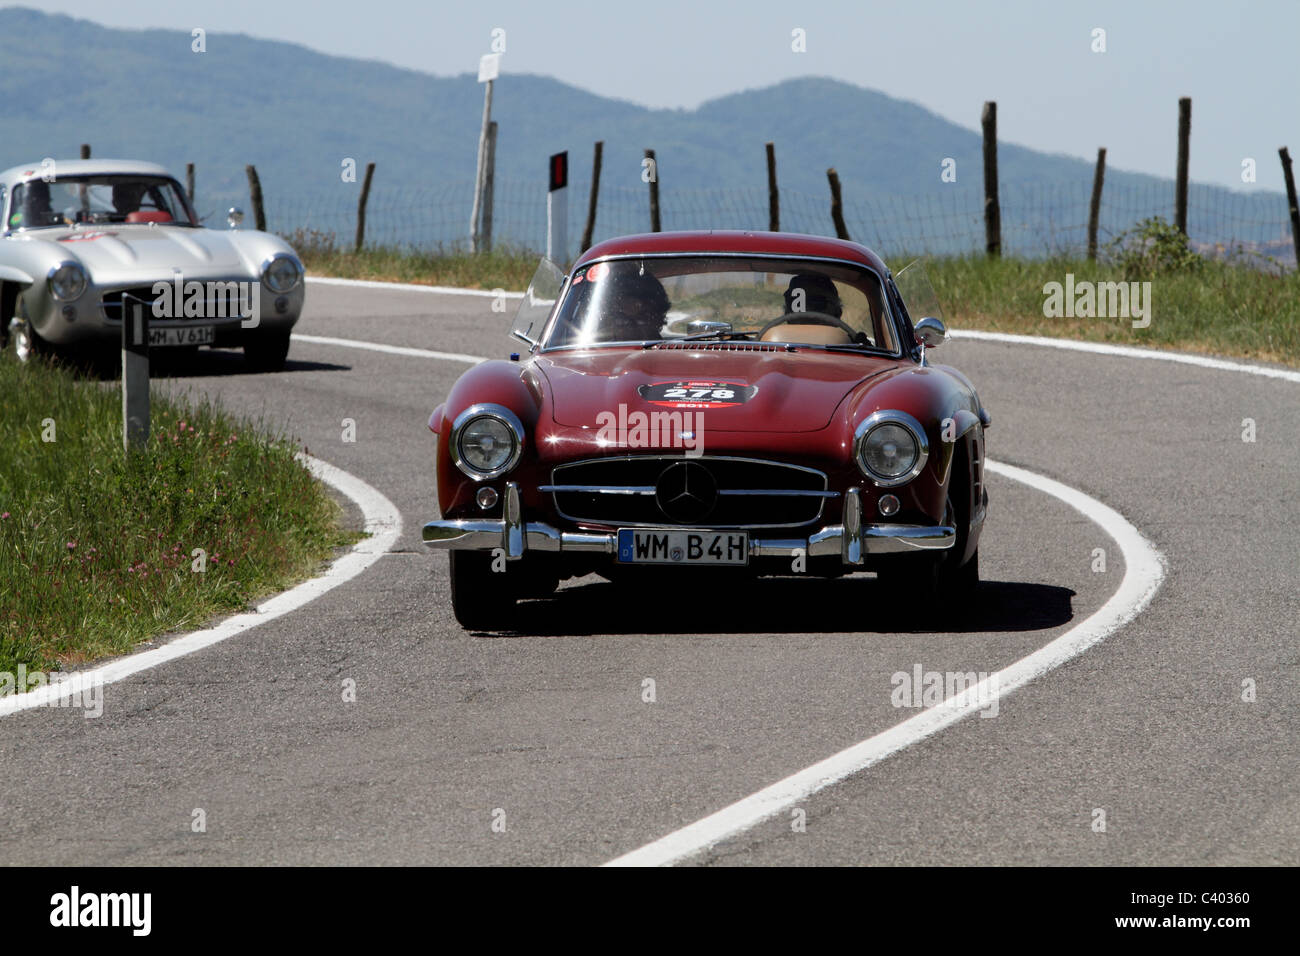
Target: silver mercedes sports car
pixel 84 239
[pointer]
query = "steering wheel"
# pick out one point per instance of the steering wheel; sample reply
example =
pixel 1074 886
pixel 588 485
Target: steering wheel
pixel 810 318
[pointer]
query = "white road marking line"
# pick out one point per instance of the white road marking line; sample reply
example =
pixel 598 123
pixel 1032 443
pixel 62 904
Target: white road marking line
pixel 413 287
pixel 382 520
pixel 1144 569
pixel 1128 351
pixel 390 349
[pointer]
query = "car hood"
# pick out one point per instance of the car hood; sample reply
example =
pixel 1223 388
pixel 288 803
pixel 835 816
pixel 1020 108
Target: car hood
pixel 775 390
pixel 143 251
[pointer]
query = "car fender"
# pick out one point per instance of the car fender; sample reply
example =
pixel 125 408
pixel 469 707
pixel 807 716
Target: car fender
pixel 498 382
pixel 934 398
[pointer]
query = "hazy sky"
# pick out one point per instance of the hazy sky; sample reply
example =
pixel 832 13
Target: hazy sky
pixel 1237 60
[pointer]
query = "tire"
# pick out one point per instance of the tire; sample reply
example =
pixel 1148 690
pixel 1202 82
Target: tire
pixel 267 352
pixel 28 345
pixel 481 599
pixel 935 576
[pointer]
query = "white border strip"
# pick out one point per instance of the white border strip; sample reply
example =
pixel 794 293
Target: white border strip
pixel 414 287
pixel 390 349
pixel 383 522
pixel 1128 351
pixel 1144 569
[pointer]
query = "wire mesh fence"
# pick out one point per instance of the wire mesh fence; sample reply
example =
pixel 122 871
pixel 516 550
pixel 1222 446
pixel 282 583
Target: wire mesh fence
pixel 1037 219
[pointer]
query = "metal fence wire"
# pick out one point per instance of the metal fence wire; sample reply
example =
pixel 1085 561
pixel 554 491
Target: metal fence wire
pixel 1037 219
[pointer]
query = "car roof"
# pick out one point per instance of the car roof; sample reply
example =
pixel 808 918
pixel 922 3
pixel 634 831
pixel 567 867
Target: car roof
pixel 83 167
pixel 735 242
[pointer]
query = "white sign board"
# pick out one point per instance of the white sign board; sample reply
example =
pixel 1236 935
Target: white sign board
pixel 489 66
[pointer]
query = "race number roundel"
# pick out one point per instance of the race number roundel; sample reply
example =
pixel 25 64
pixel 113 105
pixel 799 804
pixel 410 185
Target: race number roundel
pixel 695 394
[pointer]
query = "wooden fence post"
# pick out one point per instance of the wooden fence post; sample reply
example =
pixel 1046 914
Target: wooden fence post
pixel 773 198
pixel 1184 140
pixel 255 196
pixel 590 228
pixel 489 186
pixel 654 190
pixel 1094 207
pixel 361 206
pixel 1289 176
pixel 992 209
pixel 837 204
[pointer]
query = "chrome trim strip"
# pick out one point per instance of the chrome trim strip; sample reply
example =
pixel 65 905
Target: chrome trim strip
pixel 487 534
pixel 779 492
pixel 600 489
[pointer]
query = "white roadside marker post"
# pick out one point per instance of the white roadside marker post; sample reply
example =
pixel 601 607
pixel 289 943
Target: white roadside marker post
pixel 135 374
pixel 557 210
pixel 489 67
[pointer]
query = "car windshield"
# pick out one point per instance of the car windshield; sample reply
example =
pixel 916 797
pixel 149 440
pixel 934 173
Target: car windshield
pixel 69 200
pixel 671 298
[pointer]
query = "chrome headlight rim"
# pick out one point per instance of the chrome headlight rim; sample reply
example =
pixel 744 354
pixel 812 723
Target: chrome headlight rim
pixel 266 273
pixel 501 414
pixel 55 270
pixel 891 417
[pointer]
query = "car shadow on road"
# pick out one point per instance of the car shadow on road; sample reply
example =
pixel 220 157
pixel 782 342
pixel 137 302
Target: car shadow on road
pixel 846 605
pixel 215 363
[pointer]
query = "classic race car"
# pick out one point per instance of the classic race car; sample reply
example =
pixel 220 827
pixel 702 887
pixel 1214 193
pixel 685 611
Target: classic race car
pixel 83 237
pixel 702 401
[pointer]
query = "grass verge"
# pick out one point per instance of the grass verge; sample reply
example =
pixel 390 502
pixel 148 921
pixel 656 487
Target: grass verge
pixel 97 548
pixel 1218 308
pixel 502 268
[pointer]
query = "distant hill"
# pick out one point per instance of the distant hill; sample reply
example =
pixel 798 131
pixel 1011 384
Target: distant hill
pixel 296 114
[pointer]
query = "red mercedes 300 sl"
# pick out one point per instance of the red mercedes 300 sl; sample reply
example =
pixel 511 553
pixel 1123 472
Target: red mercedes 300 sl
pixel 703 401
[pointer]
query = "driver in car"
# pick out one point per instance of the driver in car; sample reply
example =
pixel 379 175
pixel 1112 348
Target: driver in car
pixel 635 307
pixel 127 197
pixel 812 293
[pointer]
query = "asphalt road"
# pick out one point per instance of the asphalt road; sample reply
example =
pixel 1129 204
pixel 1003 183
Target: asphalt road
pixel 550 726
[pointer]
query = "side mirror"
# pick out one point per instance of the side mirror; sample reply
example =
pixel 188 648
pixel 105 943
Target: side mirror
pixel 931 332
pixel 234 217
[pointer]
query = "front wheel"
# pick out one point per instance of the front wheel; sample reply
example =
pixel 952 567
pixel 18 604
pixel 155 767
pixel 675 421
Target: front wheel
pixel 28 345
pixel 481 598
pixel 267 352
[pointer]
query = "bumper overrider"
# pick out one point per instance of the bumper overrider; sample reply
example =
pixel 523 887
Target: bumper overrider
pixel 851 540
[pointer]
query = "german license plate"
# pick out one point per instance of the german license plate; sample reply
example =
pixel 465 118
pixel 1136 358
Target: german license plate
pixel 197 335
pixel 663 546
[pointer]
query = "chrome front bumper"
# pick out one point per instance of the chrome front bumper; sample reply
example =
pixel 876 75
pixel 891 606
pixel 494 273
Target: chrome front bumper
pixel 851 540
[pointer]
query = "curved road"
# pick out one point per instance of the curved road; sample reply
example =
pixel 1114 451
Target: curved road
pixel 548 730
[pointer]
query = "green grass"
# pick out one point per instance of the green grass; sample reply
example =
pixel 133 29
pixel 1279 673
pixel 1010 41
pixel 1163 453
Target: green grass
pixel 95 545
pixel 503 268
pixel 1220 308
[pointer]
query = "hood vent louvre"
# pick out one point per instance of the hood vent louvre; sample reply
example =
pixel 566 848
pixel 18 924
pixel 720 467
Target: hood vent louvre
pixel 719 346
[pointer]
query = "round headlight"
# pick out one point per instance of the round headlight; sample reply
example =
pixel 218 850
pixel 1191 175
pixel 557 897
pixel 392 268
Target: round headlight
pixel 67 281
pixel 281 274
pixel 486 441
pixel 891 448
